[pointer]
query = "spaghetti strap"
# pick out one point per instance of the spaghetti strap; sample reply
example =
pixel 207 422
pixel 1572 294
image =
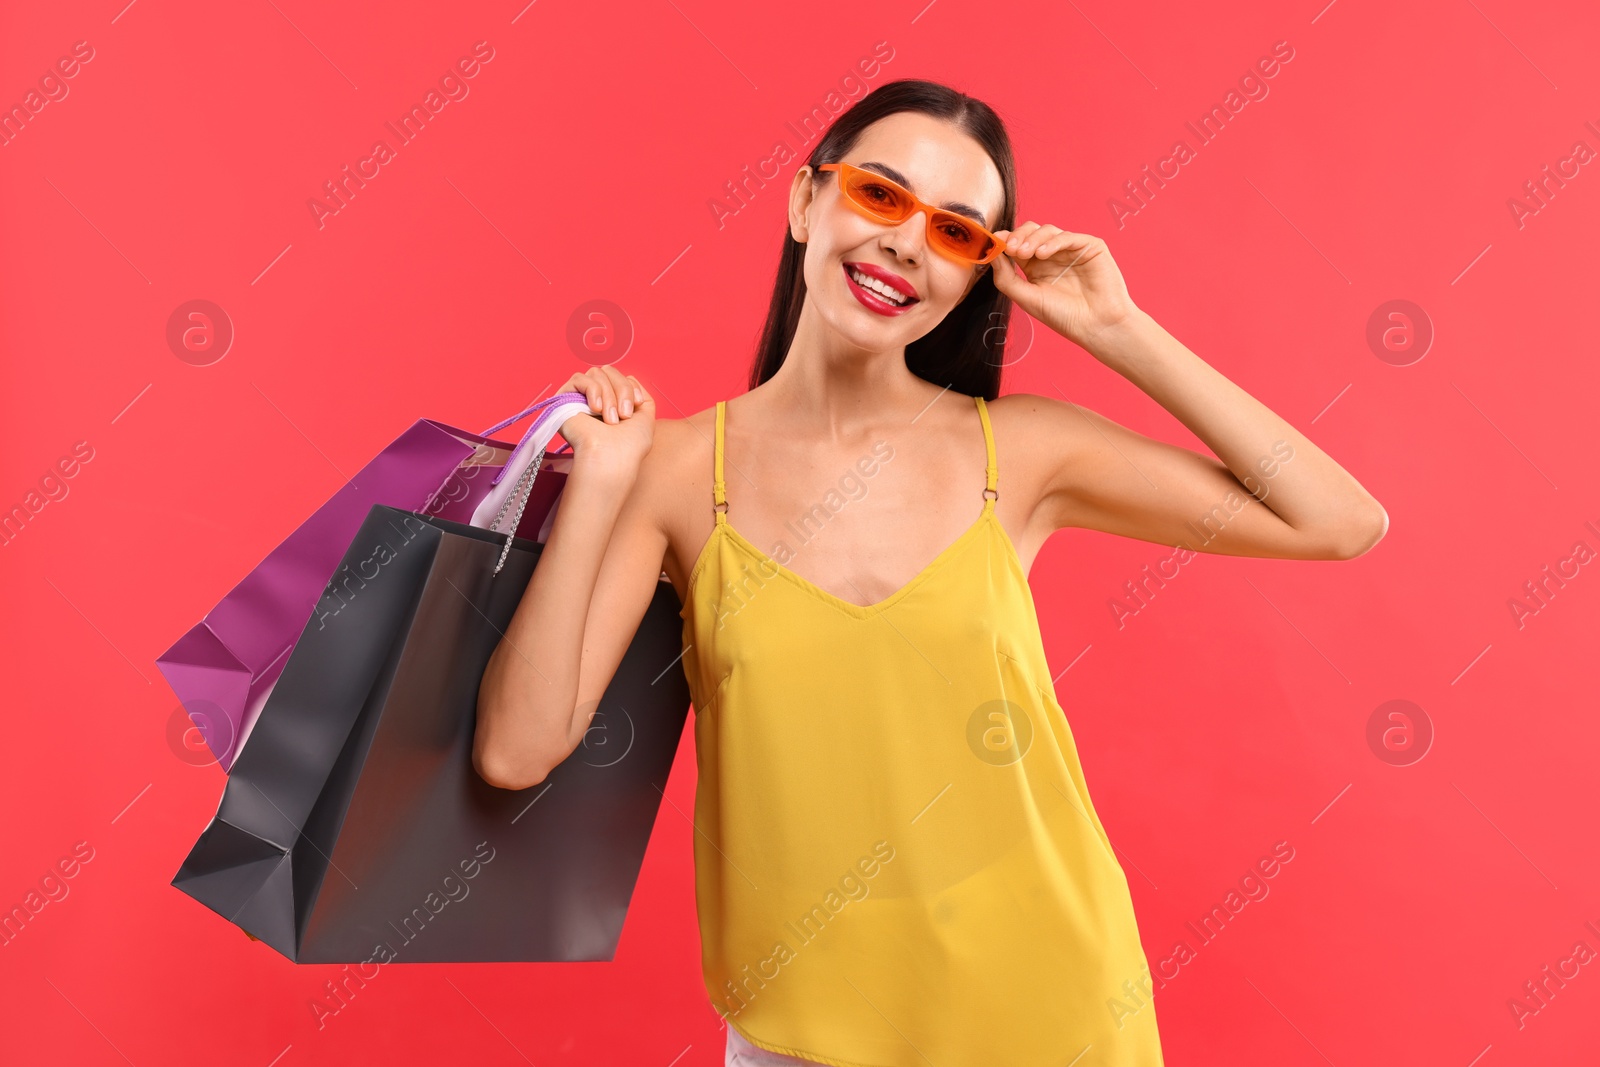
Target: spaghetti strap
pixel 991 471
pixel 719 489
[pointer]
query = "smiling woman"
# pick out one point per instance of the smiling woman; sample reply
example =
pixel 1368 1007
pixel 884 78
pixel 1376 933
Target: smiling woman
pixel 895 687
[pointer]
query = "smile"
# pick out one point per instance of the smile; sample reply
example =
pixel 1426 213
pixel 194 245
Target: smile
pixel 878 290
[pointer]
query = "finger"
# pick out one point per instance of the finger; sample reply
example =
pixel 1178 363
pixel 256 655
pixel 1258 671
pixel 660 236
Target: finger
pixel 1077 248
pixel 647 404
pixel 585 383
pixel 1058 243
pixel 1019 238
pixel 622 390
pixel 608 384
pixel 1042 237
pixel 627 392
pixel 597 393
pixel 1007 275
pixel 610 392
pixel 1015 239
pixel 1033 241
pixel 578 383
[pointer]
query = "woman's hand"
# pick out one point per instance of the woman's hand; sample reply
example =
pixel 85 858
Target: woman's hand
pixel 1068 281
pixel 621 422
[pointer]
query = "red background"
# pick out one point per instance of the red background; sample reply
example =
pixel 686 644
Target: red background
pixel 1230 713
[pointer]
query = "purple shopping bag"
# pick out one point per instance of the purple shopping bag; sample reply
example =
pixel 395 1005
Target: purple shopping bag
pixel 224 667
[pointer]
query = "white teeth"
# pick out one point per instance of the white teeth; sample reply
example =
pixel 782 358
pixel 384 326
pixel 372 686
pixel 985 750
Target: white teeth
pixel 883 289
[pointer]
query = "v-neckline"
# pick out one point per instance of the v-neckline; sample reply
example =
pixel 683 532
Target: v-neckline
pixel 850 607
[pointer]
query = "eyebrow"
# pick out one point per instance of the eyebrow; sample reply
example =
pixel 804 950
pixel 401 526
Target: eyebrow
pixel 949 205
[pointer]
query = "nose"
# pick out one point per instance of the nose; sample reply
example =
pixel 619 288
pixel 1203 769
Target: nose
pixel 908 239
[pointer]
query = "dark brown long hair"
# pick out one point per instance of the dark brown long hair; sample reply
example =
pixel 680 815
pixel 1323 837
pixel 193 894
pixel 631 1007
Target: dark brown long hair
pixel 966 350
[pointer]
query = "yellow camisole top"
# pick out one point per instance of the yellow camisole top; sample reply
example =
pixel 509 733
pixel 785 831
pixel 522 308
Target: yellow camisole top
pixel 896 860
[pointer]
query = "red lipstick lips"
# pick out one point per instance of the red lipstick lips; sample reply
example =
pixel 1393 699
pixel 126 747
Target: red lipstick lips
pixel 875 300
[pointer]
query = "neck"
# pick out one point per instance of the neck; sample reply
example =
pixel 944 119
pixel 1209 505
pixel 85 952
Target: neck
pixel 829 382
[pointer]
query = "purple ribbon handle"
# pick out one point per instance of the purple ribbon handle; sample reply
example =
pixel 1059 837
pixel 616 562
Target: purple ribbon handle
pixel 545 408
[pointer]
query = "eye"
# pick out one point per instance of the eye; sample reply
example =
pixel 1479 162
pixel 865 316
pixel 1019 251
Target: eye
pixel 957 232
pixel 877 193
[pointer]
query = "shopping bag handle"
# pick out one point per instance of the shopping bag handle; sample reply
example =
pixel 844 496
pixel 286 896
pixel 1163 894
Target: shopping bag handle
pixel 539 405
pixel 524 484
pixel 553 412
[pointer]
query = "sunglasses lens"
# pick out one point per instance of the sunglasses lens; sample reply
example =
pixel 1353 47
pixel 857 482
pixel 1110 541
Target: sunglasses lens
pixel 960 237
pixel 880 197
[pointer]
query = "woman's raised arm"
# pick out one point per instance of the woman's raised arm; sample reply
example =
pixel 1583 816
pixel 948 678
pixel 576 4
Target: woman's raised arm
pixel 1273 493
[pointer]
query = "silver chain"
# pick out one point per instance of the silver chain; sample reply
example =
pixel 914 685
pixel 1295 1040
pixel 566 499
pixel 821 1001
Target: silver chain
pixel 521 492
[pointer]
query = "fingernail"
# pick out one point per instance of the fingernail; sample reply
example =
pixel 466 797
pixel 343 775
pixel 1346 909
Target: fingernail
pixel 627 407
pixel 611 414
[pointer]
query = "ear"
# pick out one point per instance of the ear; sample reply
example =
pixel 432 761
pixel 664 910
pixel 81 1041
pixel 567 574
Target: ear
pixel 801 192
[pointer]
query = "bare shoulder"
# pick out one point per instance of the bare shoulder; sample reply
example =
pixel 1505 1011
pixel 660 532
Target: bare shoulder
pixel 1037 436
pixel 1051 451
pixel 678 448
pixel 1030 411
pixel 675 485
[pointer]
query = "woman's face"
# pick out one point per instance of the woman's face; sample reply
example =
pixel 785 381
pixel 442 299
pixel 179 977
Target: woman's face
pixel 848 254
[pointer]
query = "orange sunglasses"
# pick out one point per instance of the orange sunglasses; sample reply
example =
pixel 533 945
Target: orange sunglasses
pixel 882 200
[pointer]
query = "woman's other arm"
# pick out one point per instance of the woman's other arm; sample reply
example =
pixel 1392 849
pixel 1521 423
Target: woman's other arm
pixel 594 580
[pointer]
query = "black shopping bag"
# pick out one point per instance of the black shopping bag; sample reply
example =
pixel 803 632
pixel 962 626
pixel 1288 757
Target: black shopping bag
pixel 354 828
